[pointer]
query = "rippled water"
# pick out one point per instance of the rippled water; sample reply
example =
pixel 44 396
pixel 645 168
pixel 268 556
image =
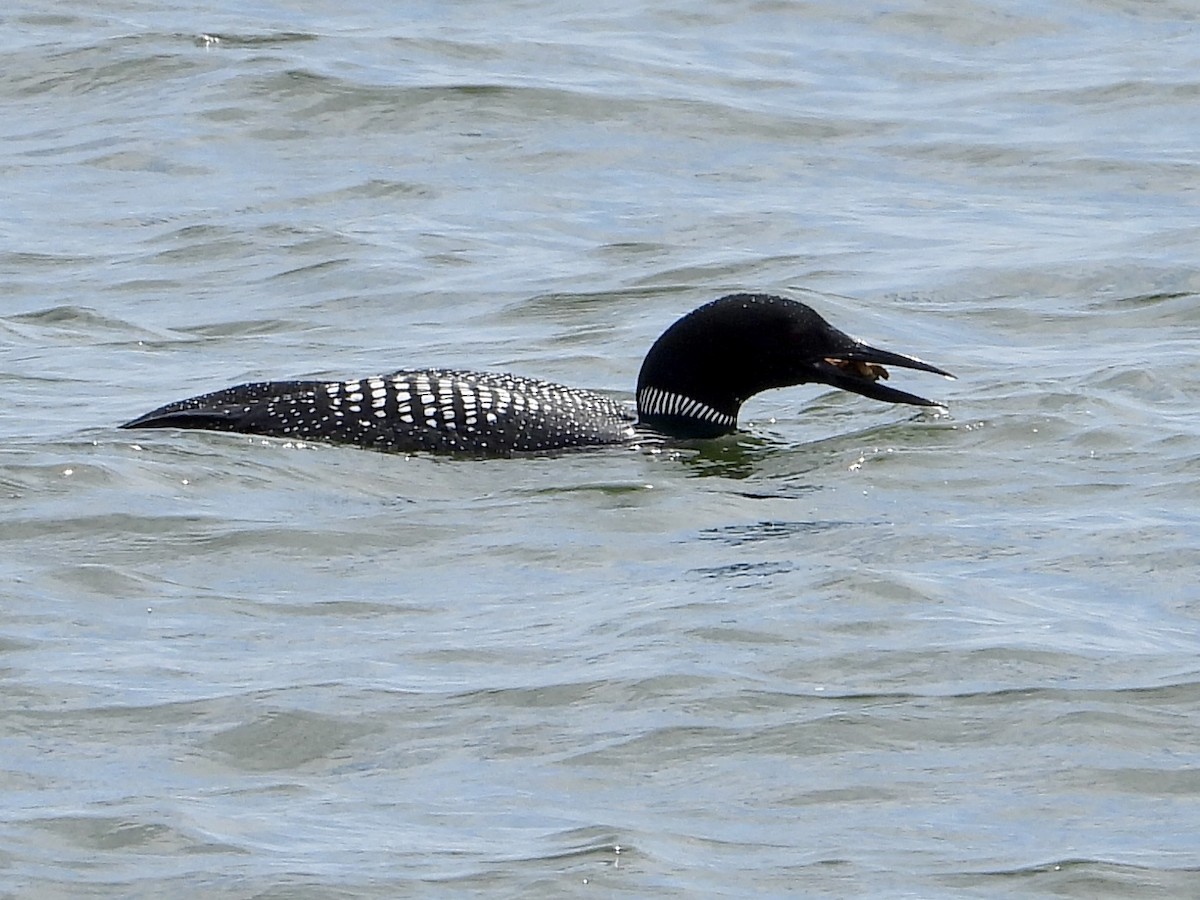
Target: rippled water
pixel 855 650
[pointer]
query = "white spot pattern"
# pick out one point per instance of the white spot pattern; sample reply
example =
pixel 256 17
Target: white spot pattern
pixel 437 410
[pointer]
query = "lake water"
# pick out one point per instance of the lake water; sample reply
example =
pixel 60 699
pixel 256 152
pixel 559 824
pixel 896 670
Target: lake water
pixel 854 650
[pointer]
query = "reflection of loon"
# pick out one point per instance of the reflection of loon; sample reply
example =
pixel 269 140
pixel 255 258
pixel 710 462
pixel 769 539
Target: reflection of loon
pixel 692 384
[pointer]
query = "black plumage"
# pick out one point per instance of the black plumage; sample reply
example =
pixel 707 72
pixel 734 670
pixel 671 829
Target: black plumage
pixel 692 385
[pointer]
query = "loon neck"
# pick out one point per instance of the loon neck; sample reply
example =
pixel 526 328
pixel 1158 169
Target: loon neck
pixel 706 365
pixel 682 416
pixel 699 372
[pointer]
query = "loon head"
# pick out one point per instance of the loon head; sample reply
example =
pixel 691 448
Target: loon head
pixel 700 371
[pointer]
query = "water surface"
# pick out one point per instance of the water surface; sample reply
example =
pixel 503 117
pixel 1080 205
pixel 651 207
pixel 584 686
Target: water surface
pixel 854 650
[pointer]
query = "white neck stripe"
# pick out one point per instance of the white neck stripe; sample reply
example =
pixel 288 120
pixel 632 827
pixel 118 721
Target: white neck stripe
pixel 655 402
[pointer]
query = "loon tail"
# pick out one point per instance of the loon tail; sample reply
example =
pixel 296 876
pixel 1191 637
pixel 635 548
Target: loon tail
pixel 221 419
pixel 246 408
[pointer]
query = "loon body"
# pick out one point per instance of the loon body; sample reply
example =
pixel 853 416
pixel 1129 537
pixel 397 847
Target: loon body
pixel 692 385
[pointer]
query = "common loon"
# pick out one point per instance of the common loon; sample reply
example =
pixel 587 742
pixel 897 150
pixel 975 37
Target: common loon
pixel 692 384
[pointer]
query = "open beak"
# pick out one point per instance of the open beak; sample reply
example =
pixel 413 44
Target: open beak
pixel 858 367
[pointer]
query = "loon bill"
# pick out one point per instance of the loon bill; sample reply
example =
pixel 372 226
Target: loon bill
pixel 692 384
